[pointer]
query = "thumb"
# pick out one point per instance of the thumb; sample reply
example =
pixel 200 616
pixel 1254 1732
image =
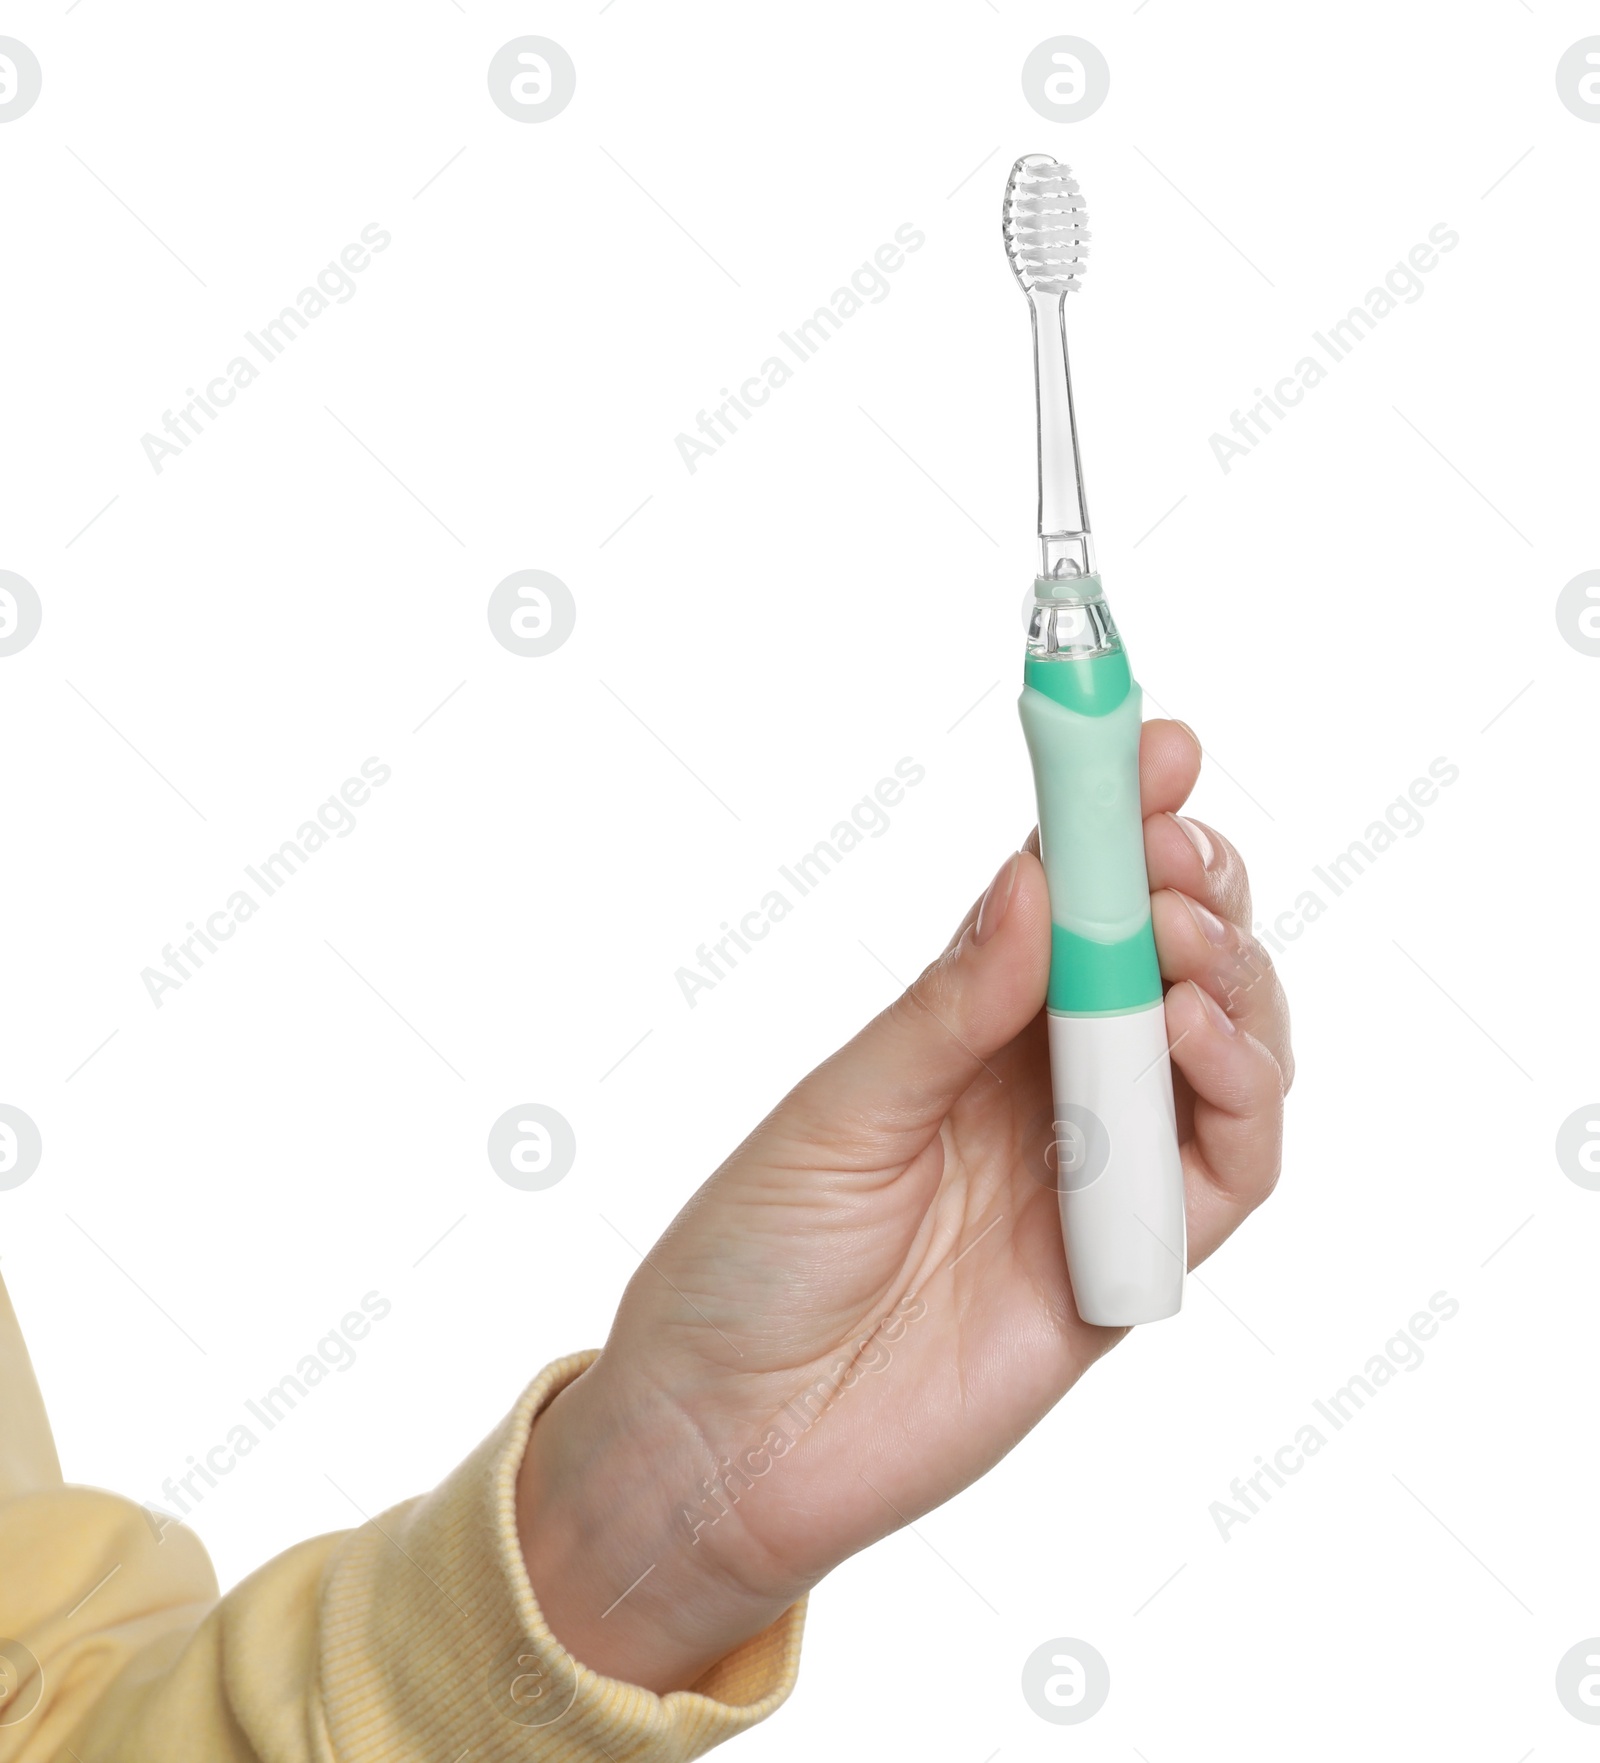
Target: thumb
pixel 898 1078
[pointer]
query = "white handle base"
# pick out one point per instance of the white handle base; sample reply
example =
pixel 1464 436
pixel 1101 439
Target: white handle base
pixel 1118 1172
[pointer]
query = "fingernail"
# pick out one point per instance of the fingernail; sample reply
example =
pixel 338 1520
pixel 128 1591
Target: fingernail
pixel 1212 927
pixel 997 897
pixel 1196 835
pixel 1215 1011
pixel 1193 737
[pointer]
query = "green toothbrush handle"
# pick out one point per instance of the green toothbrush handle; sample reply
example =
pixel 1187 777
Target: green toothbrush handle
pixel 1082 720
pixel 1118 1171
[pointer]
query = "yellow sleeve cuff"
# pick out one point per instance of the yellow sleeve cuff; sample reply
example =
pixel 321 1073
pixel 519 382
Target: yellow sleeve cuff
pixel 433 1641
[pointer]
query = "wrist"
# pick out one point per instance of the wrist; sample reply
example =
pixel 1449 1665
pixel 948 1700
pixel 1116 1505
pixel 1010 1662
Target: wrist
pixel 612 1517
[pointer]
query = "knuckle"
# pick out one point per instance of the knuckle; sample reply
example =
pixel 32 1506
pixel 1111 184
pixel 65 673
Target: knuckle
pixel 927 991
pixel 1250 966
pixel 1266 1185
pixel 1286 1067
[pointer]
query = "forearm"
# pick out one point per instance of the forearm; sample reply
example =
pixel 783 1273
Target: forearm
pixel 617 1500
pixel 315 1654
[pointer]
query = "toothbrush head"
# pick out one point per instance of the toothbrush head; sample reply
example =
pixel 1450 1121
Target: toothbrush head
pixel 1044 223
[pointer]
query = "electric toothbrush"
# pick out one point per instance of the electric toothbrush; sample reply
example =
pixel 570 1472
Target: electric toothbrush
pixel 1118 1169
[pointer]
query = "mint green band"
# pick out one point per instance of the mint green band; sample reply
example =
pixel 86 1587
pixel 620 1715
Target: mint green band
pixel 1082 722
pixel 1102 979
pixel 1093 687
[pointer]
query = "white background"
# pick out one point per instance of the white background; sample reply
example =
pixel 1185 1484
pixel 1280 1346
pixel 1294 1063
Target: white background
pixel 838 588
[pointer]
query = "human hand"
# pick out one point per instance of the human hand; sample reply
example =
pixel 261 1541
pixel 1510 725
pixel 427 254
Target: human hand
pixel 744 1430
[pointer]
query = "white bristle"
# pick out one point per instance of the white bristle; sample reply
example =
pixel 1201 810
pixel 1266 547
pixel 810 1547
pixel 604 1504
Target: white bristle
pixel 1045 224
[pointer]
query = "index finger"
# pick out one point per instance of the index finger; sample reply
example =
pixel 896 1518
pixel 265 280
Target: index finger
pixel 1169 764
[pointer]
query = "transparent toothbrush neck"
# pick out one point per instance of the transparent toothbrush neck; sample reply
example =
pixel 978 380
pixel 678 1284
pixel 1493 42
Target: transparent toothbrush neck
pixel 1070 620
pixel 1066 548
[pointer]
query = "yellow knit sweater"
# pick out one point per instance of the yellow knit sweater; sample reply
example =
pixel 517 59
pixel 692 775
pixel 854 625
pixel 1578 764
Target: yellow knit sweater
pixel 416 1639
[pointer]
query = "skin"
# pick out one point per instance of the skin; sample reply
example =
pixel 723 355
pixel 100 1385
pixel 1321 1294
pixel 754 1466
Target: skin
pixel 867 1305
